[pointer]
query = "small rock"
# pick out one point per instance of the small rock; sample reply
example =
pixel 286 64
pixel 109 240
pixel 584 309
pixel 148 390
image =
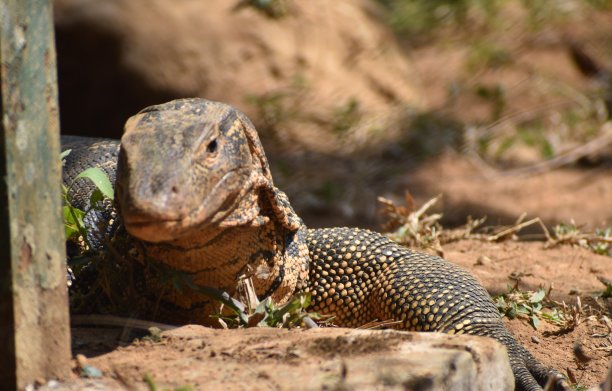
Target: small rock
pixel 81 360
pixel 293 352
pixel 571 375
pixel 483 260
pixel 535 339
pixel 154 334
pixel 196 344
pixel 580 353
pixel 89 371
pixel 263 375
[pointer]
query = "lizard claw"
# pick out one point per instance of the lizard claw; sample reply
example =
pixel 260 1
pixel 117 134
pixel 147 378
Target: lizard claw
pixel 556 382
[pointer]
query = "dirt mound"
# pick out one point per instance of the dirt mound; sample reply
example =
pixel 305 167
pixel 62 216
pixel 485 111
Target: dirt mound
pixel 323 65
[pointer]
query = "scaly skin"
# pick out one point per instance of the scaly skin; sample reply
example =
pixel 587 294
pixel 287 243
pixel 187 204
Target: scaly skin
pixel 195 194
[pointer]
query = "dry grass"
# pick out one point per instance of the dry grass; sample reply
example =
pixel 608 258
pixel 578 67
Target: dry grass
pixel 415 228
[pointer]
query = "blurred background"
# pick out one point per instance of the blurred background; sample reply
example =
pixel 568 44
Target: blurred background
pixel 501 106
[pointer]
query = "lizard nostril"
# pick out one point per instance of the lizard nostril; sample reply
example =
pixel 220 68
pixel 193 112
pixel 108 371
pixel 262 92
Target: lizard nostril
pixel 175 189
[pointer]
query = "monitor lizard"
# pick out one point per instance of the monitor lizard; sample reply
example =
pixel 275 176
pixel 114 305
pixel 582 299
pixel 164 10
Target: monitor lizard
pixel 194 190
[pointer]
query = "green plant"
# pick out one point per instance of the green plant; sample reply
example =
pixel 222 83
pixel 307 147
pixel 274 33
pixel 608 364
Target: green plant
pixel 544 12
pixel 600 4
pixel 245 311
pixel 98 272
pixel 516 303
pixel 416 228
pixel 73 217
pixel 579 387
pixel 250 312
pixel 346 116
pixel 569 233
pixel 536 306
pixel 271 107
pixel 486 54
pixel 534 134
pixel 276 108
pixel 496 96
pixel 419 18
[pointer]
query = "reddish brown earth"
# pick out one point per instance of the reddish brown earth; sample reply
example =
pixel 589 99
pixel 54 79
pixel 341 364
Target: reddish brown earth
pixel 331 358
pixel 566 269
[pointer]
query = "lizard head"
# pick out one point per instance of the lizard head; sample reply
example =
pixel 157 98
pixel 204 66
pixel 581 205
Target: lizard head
pixel 186 165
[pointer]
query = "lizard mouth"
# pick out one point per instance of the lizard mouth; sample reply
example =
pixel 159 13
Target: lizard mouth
pixel 156 227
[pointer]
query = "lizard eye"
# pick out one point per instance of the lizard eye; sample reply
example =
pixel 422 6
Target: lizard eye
pixel 212 146
pixel 207 149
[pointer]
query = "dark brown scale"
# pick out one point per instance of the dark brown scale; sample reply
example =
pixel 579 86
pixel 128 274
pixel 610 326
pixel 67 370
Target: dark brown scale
pixel 359 276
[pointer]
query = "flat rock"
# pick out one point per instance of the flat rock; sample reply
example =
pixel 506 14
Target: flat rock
pixel 327 358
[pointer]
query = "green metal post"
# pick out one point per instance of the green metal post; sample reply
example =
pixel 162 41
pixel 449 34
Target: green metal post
pixel 34 325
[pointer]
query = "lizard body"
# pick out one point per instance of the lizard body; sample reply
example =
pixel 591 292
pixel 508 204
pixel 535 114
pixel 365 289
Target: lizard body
pixel 194 191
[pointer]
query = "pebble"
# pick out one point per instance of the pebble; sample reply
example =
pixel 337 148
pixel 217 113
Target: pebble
pixel 89 371
pixel 81 360
pixel 483 260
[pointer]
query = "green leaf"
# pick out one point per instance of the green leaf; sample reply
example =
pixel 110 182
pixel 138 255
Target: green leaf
pixel 64 194
pixel 71 225
pixel 512 312
pixel 70 231
pixel 219 295
pixel 64 154
pixel 555 317
pixel 100 179
pixel 522 309
pixel 535 322
pixel 538 296
pixel 294 305
pixel 263 307
pixel 96 196
pixel 500 302
pixel 291 312
pixel 150 382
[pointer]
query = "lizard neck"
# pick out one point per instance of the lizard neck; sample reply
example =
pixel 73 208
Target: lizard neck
pixel 275 259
